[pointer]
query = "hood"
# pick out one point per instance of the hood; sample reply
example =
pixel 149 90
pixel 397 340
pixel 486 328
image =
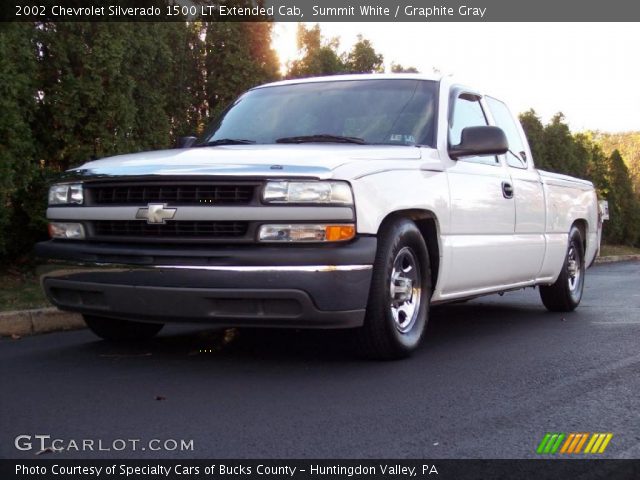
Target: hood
pixel 307 160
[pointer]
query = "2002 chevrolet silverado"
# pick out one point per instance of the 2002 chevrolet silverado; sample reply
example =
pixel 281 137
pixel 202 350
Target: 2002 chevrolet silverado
pixel 342 202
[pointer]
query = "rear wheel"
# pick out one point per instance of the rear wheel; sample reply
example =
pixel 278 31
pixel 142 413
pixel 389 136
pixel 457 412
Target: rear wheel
pixel 400 292
pixel 565 294
pixel 116 330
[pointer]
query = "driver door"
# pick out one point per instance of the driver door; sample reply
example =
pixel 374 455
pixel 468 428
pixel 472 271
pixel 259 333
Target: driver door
pixel 482 211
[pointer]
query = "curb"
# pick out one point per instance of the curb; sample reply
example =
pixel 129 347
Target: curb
pixel 41 320
pixel 45 320
pixel 617 258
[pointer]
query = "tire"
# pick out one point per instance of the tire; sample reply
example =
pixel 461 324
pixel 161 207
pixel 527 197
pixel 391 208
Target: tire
pixel 397 311
pixel 115 330
pixel 565 294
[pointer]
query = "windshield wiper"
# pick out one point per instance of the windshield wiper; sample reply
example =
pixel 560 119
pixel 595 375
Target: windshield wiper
pixel 226 141
pixel 321 138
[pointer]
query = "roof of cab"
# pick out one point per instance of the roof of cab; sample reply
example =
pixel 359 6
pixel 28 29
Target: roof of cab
pixel 358 76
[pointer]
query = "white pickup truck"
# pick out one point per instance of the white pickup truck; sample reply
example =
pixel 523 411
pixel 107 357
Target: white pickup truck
pixel 338 202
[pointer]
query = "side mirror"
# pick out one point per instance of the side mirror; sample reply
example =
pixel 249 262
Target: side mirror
pixel 185 142
pixel 478 141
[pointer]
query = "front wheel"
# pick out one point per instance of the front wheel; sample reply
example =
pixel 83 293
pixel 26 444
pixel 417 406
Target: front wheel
pixel 116 330
pixel 400 292
pixel 565 294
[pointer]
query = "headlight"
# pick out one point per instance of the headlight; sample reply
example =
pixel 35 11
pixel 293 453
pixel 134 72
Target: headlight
pixel 70 231
pixel 65 194
pixel 308 192
pixel 306 233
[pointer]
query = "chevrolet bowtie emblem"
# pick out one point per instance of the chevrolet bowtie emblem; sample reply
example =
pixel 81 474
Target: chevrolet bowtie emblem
pixel 156 213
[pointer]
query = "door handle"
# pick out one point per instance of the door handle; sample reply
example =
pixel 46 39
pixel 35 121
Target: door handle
pixel 507 190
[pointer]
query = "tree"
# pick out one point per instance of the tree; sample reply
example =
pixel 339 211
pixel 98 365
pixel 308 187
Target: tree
pixel 597 163
pixel 17 147
pixel 624 223
pixel 561 155
pixel 88 108
pixel 238 56
pixel 318 56
pixel 535 133
pixel 628 144
pixel 186 105
pixel 397 68
pixel 363 58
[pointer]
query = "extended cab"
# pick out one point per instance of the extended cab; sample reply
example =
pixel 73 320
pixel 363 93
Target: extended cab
pixel 340 202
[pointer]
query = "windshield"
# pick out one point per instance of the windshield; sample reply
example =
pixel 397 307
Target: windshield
pixel 389 112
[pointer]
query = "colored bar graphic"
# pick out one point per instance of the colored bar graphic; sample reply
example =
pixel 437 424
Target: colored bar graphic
pixel 566 445
pixel 593 439
pixel 556 445
pixel 596 446
pixel 604 445
pixel 576 439
pixel 598 443
pixel 583 439
pixel 572 443
pixel 543 443
pixel 550 443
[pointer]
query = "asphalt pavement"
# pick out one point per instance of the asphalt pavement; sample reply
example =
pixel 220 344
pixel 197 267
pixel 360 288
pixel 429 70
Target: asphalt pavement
pixel 494 375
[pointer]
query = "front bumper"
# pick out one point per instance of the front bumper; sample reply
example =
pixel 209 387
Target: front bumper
pixel 300 287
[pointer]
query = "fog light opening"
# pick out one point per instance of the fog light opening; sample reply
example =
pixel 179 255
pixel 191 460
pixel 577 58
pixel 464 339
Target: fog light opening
pixel 66 230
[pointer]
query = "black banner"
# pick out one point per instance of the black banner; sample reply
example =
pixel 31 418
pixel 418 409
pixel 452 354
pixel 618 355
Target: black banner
pixel 50 469
pixel 321 10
